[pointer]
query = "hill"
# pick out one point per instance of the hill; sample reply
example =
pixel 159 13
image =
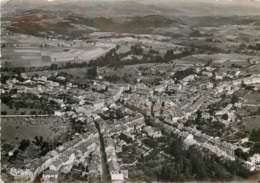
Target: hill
pixel 40 22
pixel 112 8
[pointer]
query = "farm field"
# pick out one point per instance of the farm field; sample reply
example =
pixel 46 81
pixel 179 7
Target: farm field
pixel 15 129
pixel 29 51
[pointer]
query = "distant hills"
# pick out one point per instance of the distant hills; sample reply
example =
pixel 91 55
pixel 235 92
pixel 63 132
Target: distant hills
pixel 78 17
pixel 112 8
pixel 39 22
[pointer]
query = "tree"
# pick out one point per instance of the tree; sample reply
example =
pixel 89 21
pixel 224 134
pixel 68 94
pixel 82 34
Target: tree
pixel 225 117
pixel 258 111
pixel 152 106
pixel 255 137
pixel 54 66
pixel 179 75
pixel 137 49
pixel 45 148
pixel 199 115
pixel 234 99
pixel 38 140
pixel 3 113
pixel 169 55
pixel 33 113
pixel 24 144
pixel 92 72
pixel 198 164
pixel 241 154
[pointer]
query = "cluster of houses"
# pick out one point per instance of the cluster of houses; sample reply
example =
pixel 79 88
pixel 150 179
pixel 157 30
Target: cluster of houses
pixel 172 102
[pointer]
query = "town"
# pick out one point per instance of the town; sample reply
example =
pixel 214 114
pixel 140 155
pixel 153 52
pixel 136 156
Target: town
pixel 114 106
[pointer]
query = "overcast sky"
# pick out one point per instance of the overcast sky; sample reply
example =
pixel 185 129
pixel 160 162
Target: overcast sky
pixel 158 1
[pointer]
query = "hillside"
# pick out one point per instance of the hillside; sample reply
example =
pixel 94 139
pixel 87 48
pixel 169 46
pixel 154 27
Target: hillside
pixel 40 22
pixel 112 8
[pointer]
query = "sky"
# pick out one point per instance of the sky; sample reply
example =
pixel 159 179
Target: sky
pixel 234 1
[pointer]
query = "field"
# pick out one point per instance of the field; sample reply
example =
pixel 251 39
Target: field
pixel 14 129
pixel 252 122
pixel 30 51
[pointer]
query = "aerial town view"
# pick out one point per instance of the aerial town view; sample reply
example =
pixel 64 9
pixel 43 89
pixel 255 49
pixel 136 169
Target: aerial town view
pixel 98 91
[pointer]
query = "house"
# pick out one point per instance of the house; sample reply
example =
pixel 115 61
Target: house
pixel 189 140
pixel 150 131
pixel 159 89
pixel 252 80
pixel 189 78
pixel 218 77
pixel 43 78
pixel 99 88
pixel 210 85
pixel 225 110
pixel 58 113
pixel 208 74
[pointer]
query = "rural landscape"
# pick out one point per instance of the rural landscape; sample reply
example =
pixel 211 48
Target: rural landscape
pixel 130 91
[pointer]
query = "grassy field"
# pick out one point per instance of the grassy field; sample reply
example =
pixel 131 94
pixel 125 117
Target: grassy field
pixel 15 129
pixel 252 98
pixel 252 122
pixel 30 51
